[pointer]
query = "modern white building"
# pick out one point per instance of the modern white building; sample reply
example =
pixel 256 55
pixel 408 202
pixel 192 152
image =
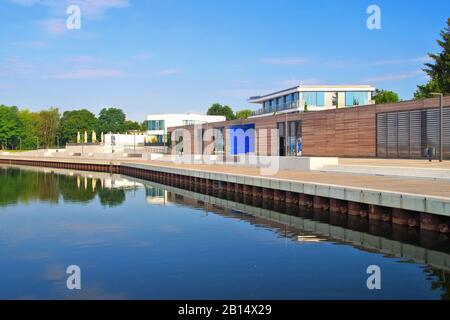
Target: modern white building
pixel 314 98
pixel 157 125
pixel 124 140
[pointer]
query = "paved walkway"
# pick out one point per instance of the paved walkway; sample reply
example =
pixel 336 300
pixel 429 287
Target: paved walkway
pixel 396 184
pixel 420 187
pixel 408 163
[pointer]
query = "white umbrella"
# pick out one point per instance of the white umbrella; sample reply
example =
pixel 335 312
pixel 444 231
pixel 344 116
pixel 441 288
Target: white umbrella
pixel 85 137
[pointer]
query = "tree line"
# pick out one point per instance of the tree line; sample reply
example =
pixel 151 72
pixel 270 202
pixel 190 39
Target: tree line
pixel 217 109
pixel 26 130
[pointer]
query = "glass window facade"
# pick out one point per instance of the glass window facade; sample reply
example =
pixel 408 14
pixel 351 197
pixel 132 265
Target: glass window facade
pixel 190 122
pixel 290 138
pixel 284 102
pixel 314 98
pixel 294 138
pixel 335 99
pixel 155 192
pixel 155 125
pixel 356 98
pixel 219 145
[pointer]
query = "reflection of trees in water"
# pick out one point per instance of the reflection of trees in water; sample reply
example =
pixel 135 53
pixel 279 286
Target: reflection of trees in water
pixel 17 185
pixel 73 191
pixel 26 186
pixel 111 197
pixel 440 280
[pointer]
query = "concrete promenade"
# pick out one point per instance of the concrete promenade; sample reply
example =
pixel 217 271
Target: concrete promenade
pixel 422 195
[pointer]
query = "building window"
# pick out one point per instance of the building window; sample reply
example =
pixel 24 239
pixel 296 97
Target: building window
pixel 155 125
pixel 219 145
pixel 281 126
pixel 320 99
pixel 273 106
pixel 190 122
pixel 356 98
pixel 281 103
pixel 314 98
pixel 155 192
pixel 289 98
pixel 294 138
pixel 334 99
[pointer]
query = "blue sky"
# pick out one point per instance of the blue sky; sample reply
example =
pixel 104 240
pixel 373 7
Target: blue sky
pixel 158 56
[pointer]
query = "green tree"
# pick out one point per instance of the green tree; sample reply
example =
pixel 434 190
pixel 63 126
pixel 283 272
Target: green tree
pixel 243 114
pixel 130 125
pixel 111 120
pixel 48 126
pixel 10 127
pixel 439 69
pixel 218 110
pixel 385 96
pixel 426 90
pixel 76 121
pixel 30 124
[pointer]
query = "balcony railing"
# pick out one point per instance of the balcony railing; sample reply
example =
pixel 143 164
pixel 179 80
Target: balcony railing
pixel 298 104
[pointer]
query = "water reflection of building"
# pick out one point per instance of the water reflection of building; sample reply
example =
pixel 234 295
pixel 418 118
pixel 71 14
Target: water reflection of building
pixel 156 196
pixel 311 226
pixel 118 182
pixel 309 238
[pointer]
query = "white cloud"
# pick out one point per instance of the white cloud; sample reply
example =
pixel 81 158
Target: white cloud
pixel 242 82
pixel 32 44
pixel 168 72
pixel 399 61
pixel 54 26
pixel 285 61
pixel 84 59
pixel 394 77
pixel 89 73
pixel 348 63
pixel 297 82
pixel 25 2
pixel 90 8
pixel 238 93
pixel 7 85
pixel 142 56
pixel 17 67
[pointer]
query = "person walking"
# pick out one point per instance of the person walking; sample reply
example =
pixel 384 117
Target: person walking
pixel 429 154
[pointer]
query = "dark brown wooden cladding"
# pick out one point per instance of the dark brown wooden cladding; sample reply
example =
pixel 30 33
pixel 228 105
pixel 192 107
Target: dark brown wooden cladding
pixel 345 132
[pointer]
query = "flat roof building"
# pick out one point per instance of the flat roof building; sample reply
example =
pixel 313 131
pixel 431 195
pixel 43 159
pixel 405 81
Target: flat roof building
pixel 313 98
pixel 393 130
pixel 156 130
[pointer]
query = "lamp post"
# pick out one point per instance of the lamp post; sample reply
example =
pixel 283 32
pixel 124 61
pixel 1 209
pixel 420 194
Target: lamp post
pixel 286 136
pixel 441 125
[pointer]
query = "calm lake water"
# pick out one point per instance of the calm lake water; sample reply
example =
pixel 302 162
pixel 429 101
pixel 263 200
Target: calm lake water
pixel 135 239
